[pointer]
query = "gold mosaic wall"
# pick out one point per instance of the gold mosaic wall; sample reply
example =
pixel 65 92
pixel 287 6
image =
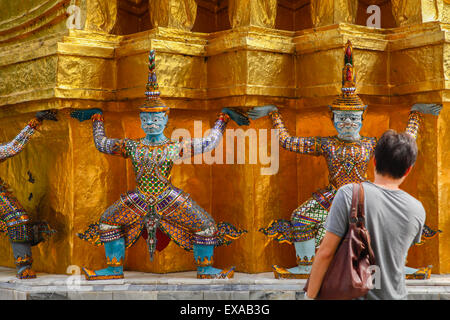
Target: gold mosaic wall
pixel 212 54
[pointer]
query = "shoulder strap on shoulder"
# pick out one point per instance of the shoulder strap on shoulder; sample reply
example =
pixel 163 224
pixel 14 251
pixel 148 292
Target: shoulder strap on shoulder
pixel 361 209
pixel 354 208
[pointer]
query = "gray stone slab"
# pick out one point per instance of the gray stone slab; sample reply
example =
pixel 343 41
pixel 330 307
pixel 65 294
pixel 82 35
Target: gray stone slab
pixel 88 295
pixel 180 295
pixel 300 295
pixel 276 287
pixel 19 295
pixel 226 295
pixel 272 295
pixel 423 296
pixel 6 294
pixel 417 290
pixel 135 295
pixel 217 295
pixel 240 295
pixel 47 296
pixel 444 296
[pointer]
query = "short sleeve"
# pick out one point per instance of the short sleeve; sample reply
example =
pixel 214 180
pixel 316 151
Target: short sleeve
pixel 338 217
pixel 418 238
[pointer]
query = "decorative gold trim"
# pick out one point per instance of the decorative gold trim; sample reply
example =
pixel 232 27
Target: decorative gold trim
pixel 114 262
pixel 305 261
pixel 91 275
pixel 153 109
pixel 24 261
pixel 283 273
pixel 28 273
pixel 421 274
pixel 205 262
pixel 225 274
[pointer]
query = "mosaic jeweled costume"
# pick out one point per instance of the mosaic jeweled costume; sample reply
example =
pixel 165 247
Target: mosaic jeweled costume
pixel 156 203
pixel 14 220
pixel 347 159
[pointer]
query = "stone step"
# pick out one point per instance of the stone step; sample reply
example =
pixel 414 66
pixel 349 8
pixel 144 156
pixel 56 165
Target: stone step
pixel 181 286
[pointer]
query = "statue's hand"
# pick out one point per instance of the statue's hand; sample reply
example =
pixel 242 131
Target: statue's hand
pixel 427 108
pixel 259 112
pixel 46 115
pixel 86 114
pixel 240 119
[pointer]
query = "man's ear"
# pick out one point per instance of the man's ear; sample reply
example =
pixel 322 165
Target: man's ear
pixel 407 171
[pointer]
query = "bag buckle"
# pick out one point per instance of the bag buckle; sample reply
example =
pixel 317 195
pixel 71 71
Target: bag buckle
pixel 356 219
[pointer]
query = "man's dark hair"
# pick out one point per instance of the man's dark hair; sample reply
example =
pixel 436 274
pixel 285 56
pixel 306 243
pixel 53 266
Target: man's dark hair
pixel 395 153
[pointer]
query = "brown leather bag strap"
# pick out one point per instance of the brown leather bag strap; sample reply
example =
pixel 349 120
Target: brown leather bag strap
pixel 354 208
pixel 361 209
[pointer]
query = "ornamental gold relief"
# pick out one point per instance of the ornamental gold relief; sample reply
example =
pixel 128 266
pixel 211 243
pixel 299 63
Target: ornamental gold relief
pixel 261 13
pixel 101 15
pixel 326 12
pixel 179 14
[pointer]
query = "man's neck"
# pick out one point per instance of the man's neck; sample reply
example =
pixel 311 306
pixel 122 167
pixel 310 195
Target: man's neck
pixel 387 182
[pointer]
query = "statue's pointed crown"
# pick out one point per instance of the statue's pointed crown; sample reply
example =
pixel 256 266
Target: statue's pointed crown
pixel 153 102
pixel 348 100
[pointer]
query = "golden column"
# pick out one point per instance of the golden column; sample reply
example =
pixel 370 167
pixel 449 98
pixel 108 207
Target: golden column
pixel 178 14
pixel 260 13
pixel 326 12
pixel 409 12
pixel 101 15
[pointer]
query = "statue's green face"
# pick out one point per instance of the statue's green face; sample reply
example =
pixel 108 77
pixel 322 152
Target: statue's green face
pixel 153 123
pixel 348 124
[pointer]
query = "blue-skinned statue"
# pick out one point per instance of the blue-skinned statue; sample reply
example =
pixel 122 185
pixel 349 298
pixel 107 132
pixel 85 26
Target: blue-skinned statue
pixel 155 204
pixel 347 155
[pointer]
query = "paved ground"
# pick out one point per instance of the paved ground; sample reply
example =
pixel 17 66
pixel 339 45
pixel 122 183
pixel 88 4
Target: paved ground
pixel 182 285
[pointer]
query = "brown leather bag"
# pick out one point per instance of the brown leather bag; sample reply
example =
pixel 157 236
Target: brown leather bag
pixel 348 276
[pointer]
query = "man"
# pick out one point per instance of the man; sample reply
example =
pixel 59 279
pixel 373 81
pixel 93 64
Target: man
pixel 394 218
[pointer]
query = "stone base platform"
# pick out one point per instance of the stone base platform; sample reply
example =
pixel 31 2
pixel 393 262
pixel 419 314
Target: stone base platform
pixel 181 286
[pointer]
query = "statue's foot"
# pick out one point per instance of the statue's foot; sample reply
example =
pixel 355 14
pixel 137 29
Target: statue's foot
pixel 214 273
pixel 26 273
pixel 103 274
pixel 421 274
pixel 299 272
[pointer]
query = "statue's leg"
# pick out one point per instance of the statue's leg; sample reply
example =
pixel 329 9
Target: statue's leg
pixel 191 216
pixel 306 234
pixel 23 260
pixel 114 243
pixel 203 256
pixel 17 223
pixel 110 231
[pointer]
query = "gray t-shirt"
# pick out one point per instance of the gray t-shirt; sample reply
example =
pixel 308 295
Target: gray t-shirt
pixel 394 220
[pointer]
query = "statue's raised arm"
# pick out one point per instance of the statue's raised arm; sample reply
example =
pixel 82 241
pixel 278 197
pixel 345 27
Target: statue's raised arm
pixel 303 145
pixel 191 147
pixel 102 142
pixel 15 146
pixel 416 114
